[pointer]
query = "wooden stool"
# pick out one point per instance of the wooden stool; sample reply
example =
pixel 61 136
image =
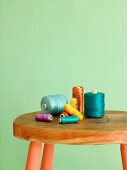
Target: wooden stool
pixel 85 132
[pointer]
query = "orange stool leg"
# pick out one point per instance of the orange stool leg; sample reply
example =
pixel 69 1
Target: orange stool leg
pixel 47 159
pixel 33 159
pixel 123 148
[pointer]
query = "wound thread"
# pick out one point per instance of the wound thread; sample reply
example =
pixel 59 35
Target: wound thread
pixel 53 104
pixel 74 103
pixel 44 117
pixel 78 93
pixel 94 104
pixel 69 109
pixel 64 114
pixel 70 119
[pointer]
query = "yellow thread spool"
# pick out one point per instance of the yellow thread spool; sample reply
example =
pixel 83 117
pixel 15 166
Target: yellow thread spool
pixel 69 109
pixel 74 103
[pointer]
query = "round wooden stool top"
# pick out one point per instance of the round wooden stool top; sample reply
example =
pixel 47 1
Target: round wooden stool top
pixel 87 131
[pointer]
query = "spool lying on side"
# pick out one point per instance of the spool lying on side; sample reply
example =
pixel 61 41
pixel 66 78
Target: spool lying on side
pixel 53 104
pixel 44 117
pixel 70 119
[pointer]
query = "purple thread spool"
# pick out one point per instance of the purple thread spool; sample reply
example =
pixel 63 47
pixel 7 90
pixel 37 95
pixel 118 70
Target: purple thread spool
pixel 44 117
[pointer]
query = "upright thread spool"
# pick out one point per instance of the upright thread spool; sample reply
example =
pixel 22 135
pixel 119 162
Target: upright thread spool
pixel 74 103
pixel 53 104
pixel 78 93
pixel 94 104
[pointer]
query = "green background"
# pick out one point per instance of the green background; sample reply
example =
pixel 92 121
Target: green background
pixel 49 46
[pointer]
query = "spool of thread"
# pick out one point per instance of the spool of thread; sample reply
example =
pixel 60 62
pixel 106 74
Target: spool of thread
pixel 74 103
pixel 64 114
pixel 53 104
pixel 69 109
pixel 70 119
pixel 78 93
pixel 94 104
pixel 44 117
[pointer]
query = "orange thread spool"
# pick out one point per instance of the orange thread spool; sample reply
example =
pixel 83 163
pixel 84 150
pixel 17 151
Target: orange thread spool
pixel 64 114
pixel 78 93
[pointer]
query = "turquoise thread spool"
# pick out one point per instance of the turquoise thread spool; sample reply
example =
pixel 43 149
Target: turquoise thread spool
pixel 94 104
pixel 69 119
pixel 53 104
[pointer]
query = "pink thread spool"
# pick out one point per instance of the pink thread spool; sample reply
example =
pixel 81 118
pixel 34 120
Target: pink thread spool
pixel 44 117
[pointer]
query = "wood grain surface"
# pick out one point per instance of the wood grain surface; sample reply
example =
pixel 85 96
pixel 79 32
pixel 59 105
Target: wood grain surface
pixel 87 131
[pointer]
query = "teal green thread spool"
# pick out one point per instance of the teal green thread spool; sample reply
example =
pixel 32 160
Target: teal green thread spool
pixel 94 104
pixel 69 119
pixel 53 104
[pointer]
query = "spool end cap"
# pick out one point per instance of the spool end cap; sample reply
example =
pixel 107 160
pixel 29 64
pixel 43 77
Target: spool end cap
pixel 94 91
pixel 44 106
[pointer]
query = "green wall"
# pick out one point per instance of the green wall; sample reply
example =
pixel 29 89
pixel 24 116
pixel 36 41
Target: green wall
pixel 48 46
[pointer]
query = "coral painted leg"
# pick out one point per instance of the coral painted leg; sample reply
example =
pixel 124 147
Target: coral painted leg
pixel 123 148
pixel 47 159
pixel 33 159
